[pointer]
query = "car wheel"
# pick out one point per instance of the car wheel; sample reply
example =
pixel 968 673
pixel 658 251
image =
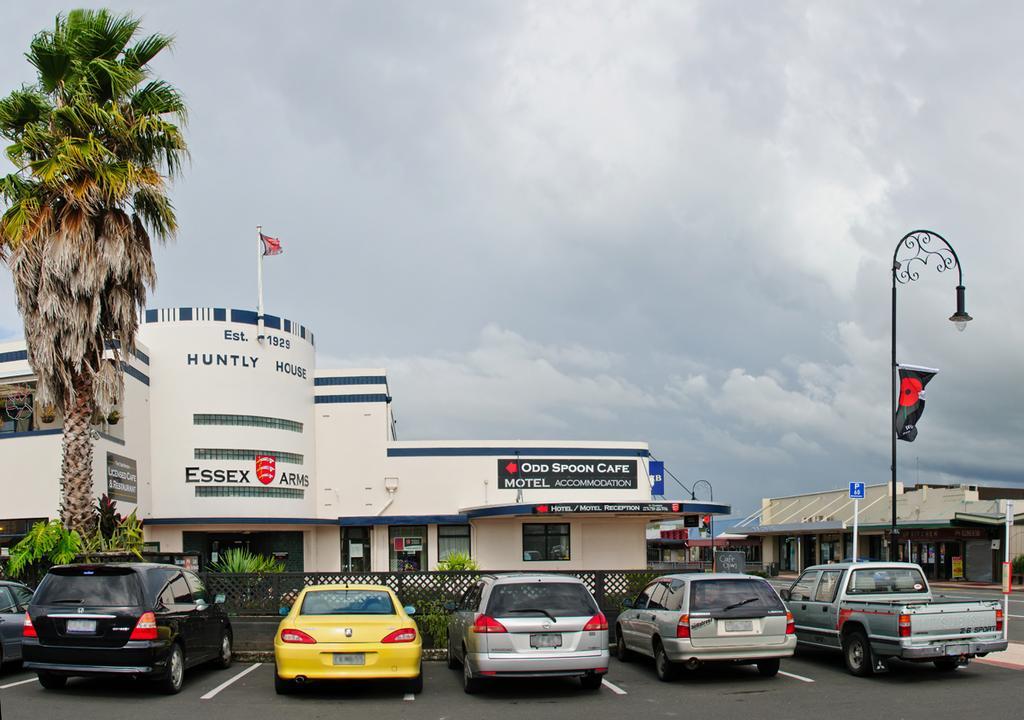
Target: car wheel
pixel 52 682
pixel 768 667
pixel 665 668
pixel 282 686
pixel 453 662
pixel 470 684
pixel 174 678
pixel 591 681
pixel 415 685
pixel 225 655
pixel 947 664
pixel 623 653
pixel 857 654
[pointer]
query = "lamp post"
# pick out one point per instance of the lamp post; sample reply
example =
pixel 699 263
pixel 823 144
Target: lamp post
pixel 913 253
pixel 711 524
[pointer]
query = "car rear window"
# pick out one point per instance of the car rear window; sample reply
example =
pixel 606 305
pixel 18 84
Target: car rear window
pixel 537 598
pixel 886 581
pixel 729 595
pixel 347 602
pixel 104 587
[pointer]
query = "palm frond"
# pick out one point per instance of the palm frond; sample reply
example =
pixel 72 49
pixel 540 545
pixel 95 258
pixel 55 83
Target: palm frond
pixel 52 61
pixel 99 34
pixel 139 54
pixel 21 108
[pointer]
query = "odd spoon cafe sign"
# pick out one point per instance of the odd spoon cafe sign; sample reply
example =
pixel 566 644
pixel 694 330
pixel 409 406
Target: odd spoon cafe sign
pixel 572 474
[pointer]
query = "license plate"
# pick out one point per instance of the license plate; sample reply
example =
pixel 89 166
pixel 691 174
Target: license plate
pixel 958 649
pixel 739 625
pixel 349 658
pixel 546 640
pixel 81 626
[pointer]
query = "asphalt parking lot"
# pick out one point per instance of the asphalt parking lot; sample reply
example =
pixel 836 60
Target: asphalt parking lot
pixel 810 684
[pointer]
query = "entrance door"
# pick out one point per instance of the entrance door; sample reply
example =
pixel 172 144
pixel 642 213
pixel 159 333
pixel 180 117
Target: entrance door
pixel 979 561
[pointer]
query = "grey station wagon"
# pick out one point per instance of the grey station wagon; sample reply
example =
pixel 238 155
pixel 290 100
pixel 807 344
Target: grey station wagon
pixel 527 626
pixel 686 620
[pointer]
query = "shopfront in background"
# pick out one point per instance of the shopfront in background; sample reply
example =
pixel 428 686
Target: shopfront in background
pixel 949 553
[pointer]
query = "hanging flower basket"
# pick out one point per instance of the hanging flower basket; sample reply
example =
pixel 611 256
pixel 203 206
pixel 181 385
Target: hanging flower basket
pixel 113 417
pixel 48 413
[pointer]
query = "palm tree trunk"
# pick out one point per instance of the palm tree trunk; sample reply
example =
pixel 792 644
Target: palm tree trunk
pixel 77 502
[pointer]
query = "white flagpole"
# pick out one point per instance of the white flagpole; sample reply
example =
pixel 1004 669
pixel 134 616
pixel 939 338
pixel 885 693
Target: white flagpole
pixel 259 282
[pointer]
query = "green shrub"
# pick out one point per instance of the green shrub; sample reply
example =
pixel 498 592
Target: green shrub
pixel 1018 565
pixel 240 560
pixel 458 561
pixel 47 543
pixel 432 619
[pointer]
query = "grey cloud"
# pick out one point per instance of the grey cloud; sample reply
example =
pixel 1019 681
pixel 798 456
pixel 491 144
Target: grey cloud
pixel 578 220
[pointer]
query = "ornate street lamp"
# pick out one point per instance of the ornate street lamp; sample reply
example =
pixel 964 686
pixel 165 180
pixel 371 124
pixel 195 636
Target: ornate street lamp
pixel 915 252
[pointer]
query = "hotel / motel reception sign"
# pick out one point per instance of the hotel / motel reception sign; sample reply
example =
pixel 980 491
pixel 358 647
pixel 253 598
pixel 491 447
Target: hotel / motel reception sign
pixel 625 507
pixel 566 474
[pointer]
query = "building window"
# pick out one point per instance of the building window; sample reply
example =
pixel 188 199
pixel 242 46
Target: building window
pixel 238 454
pixel 452 539
pixel 16 408
pixel 407 548
pixel 263 492
pixel 545 541
pixel 260 421
pixel 355 549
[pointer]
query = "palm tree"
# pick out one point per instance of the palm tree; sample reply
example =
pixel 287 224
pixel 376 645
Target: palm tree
pixel 94 142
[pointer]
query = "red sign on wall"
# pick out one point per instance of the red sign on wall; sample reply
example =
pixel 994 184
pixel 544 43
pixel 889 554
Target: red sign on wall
pixel 266 468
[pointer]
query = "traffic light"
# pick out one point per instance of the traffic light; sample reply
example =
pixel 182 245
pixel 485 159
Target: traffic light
pixel 705 524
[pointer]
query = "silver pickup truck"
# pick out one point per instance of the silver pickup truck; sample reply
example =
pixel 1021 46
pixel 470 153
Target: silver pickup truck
pixel 875 612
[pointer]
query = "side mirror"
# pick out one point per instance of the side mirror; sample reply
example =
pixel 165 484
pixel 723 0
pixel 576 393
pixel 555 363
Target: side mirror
pixel 410 609
pixel 627 604
pixel 785 594
pixel 450 606
pixel 219 599
pixel 283 610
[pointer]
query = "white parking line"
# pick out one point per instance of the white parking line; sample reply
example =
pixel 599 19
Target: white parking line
pixel 223 685
pixel 409 697
pixel 15 684
pixel 614 688
pixel 801 678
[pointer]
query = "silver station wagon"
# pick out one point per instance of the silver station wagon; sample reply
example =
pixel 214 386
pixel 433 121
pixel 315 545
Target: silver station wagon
pixel 683 621
pixel 520 625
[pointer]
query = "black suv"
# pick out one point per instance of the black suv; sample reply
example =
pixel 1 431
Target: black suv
pixel 135 619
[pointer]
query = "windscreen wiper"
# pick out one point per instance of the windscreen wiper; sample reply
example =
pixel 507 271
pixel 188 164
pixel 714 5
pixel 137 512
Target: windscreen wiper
pixel 741 602
pixel 534 610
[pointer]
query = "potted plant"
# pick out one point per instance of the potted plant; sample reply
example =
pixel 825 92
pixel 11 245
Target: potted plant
pixel 113 417
pixel 48 413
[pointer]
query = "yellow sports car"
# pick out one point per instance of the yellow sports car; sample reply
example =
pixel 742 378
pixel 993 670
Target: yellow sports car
pixel 347 632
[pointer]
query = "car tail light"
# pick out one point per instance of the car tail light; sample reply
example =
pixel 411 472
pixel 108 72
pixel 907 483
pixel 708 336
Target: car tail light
pixel 402 635
pixel 145 628
pixel 904 626
pixel 790 624
pixel 297 636
pixel 487 624
pixel 999 620
pixel 598 622
pixel 29 630
pixel 683 627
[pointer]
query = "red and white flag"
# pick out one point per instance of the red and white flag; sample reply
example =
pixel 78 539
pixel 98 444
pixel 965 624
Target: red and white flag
pixel 271 246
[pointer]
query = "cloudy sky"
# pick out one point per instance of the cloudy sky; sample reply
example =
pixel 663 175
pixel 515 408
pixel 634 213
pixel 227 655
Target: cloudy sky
pixel 669 222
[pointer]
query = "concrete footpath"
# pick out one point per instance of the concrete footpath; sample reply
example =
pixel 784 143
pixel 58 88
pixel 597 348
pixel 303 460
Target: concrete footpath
pixel 1012 657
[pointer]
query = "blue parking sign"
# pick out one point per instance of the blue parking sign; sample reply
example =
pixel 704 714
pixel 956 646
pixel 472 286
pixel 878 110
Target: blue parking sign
pixel 657 472
pixel 856 491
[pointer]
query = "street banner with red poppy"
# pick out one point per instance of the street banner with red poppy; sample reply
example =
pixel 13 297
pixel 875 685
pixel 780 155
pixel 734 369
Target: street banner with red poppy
pixel 913 380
